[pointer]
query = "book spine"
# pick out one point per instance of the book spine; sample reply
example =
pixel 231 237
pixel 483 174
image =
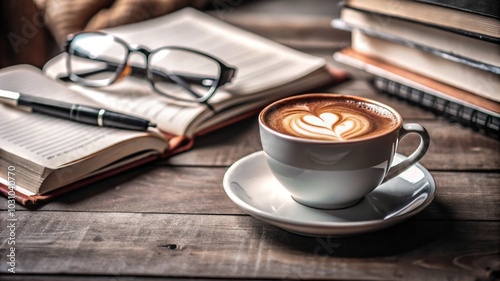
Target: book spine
pixel 463 32
pixel 456 112
pixel 488 8
pixel 340 24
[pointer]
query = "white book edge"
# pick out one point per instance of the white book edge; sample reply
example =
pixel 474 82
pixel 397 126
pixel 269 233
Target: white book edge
pixel 471 79
pixel 377 71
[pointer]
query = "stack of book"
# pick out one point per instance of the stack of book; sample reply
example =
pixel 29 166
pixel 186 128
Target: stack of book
pixel 440 54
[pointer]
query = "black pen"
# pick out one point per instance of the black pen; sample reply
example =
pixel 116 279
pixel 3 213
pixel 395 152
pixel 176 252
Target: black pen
pixel 75 112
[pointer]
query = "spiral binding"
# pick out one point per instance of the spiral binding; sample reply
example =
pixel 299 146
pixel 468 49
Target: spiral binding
pixel 467 116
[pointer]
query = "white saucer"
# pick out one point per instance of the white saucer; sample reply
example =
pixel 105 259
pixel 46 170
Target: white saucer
pixel 251 186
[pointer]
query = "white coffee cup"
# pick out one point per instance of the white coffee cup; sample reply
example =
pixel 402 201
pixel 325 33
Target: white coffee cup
pixel 334 173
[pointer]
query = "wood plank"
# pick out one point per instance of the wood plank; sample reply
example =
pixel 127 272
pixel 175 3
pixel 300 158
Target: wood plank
pixel 153 189
pixel 453 147
pixel 49 277
pixel 174 190
pixel 59 277
pixel 465 196
pixel 239 246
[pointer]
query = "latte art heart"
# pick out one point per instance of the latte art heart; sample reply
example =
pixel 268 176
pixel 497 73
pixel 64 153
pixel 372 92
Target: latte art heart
pixel 329 118
pixel 326 126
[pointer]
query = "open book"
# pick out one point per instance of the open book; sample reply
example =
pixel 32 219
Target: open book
pixel 49 154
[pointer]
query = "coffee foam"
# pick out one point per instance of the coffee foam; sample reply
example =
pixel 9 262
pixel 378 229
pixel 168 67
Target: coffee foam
pixel 331 119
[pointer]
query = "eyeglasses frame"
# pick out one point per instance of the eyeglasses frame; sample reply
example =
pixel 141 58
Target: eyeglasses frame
pixel 226 75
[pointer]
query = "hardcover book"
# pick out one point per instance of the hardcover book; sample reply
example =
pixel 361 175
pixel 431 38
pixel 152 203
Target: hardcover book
pixel 472 79
pixel 456 20
pixel 442 43
pixel 480 7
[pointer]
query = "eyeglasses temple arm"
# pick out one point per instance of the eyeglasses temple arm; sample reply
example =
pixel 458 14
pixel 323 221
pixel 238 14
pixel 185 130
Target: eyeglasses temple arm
pixel 227 74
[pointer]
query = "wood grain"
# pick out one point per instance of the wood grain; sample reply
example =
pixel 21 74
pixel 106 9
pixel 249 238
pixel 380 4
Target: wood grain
pixel 177 190
pixel 449 142
pixel 172 220
pixel 242 247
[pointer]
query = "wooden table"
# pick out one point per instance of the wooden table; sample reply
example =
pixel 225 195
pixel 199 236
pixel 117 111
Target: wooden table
pixel 172 218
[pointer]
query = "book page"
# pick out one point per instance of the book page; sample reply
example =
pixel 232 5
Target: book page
pixel 261 65
pixel 49 141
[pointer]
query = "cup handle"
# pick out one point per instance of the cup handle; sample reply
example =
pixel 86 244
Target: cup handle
pixel 411 128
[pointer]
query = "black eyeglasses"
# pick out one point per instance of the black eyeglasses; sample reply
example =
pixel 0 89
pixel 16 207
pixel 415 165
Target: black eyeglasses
pixel 97 59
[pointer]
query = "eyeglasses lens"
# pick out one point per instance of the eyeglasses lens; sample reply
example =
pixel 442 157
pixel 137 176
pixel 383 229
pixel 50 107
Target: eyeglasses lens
pixel 97 59
pixel 183 74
